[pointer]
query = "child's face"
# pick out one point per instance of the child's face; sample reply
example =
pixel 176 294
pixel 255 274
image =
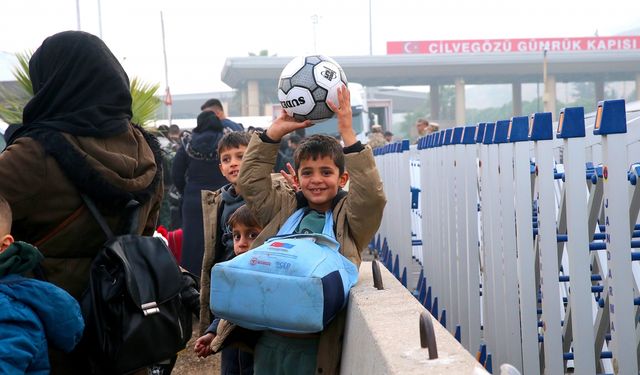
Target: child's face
pixel 230 162
pixel 243 237
pixel 319 181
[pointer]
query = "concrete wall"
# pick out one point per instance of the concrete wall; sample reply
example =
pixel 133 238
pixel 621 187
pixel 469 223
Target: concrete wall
pixel 383 337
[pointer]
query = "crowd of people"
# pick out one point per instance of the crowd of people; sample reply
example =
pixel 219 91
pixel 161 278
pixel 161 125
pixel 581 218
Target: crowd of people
pixel 212 186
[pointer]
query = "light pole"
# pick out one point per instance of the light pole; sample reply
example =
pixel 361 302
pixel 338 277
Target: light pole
pixel 314 21
pixel 78 13
pixel 370 32
pixel 100 19
pixel 167 101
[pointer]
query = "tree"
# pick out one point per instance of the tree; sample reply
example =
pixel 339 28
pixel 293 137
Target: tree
pixel 12 102
pixel 447 102
pixel 143 106
pixel 144 101
pixel 585 94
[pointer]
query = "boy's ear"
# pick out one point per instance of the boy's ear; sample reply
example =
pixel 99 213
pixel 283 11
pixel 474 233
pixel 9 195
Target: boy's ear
pixel 343 179
pixel 220 167
pixel 5 242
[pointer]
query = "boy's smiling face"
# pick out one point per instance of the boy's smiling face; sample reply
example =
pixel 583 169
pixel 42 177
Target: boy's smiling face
pixel 230 162
pixel 319 181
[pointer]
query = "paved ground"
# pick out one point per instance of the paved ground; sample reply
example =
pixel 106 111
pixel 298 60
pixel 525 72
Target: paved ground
pixel 189 364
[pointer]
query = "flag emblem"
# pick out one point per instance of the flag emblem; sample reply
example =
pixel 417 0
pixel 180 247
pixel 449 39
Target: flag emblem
pixel 282 245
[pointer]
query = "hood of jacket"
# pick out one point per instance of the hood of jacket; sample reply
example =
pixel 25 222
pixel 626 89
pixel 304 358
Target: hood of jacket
pixel 126 161
pixel 204 145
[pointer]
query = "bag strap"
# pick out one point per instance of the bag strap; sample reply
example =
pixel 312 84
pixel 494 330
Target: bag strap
pixel 130 226
pixel 98 216
pixel 294 220
pixel 54 232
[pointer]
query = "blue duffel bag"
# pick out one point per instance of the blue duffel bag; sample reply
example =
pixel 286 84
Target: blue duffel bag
pixel 292 283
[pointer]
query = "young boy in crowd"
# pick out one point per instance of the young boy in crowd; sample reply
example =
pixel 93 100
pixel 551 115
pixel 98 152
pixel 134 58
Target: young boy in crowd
pixel 217 208
pixel 33 313
pixel 245 230
pixel 320 164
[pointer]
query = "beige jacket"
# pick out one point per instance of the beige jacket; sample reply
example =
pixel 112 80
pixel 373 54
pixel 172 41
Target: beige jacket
pixel 357 217
pixel 210 207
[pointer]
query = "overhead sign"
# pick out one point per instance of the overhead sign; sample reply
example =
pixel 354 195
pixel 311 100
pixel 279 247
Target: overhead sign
pixel 449 47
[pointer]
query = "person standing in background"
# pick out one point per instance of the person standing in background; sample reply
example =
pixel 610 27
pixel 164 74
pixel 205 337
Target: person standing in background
pixel 388 136
pixel 215 106
pixel 422 126
pixel 195 168
pixel 376 137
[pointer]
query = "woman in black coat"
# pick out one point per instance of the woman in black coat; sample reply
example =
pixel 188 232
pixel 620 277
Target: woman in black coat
pixel 196 168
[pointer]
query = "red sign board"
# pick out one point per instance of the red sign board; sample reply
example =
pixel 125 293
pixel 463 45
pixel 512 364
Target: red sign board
pixel 448 47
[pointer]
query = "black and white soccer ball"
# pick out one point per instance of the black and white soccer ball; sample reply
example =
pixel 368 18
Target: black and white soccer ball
pixel 305 85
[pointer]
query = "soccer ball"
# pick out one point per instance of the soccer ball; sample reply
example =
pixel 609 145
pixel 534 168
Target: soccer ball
pixel 305 85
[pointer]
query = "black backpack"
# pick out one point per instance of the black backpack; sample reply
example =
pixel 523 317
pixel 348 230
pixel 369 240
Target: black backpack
pixel 133 309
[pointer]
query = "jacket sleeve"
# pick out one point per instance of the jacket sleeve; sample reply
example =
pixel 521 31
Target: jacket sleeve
pixel 366 199
pixel 23 174
pixel 63 322
pixel 18 344
pixel 179 169
pixel 264 198
pixel 210 204
pixel 17 352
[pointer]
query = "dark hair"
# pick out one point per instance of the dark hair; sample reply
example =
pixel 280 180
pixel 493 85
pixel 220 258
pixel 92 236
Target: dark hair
pixel 174 129
pixel 211 103
pixel 208 121
pixel 388 133
pixel 318 146
pixel 294 138
pixel 5 215
pixel 233 140
pixel 163 129
pixel 423 121
pixel 243 216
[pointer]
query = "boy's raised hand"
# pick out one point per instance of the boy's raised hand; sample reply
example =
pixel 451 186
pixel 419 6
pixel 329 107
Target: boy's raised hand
pixel 290 177
pixel 344 115
pixel 284 125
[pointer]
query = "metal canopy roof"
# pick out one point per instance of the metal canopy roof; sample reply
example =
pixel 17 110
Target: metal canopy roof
pixel 481 68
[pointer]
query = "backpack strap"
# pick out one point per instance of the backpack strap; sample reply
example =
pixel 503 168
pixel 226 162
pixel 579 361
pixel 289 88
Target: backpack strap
pixel 131 225
pixel 98 216
pixel 38 271
pixel 54 232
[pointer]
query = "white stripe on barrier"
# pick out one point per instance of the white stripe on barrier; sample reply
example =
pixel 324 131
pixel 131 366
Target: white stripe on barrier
pixel 507 217
pixel 616 221
pixel 526 259
pixel 578 253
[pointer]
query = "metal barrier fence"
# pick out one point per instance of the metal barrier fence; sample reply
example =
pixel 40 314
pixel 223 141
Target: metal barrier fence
pixel 525 243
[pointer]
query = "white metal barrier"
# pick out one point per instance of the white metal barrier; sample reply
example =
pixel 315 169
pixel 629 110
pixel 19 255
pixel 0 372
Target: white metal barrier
pixel 526 240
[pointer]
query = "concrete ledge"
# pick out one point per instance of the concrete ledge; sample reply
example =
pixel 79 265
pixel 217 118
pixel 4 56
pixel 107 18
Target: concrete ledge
pixel 382 334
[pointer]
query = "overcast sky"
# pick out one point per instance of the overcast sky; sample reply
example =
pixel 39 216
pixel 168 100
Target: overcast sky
pixel 201 34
